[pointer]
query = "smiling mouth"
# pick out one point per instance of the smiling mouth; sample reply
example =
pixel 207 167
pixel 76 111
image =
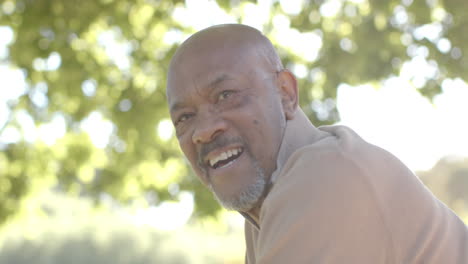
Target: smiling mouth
pixel 225 158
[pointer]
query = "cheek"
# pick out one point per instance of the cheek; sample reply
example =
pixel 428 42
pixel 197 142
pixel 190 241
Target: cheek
pixel 190 153
pixel 201 175
pixel 268 135
pixel 189 150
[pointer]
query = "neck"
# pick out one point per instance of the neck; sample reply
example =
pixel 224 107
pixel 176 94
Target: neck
pixel 299 132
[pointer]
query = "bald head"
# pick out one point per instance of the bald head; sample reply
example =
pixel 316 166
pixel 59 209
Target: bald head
pixel 231 38
pixel 236 41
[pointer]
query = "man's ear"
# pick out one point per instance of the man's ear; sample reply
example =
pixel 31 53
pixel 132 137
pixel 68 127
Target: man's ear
pixel 288 92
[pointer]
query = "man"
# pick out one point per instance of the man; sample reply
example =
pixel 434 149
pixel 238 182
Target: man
pixel 309 195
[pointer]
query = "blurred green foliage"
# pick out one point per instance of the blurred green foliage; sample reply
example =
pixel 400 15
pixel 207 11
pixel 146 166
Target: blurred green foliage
pixel 109 58
pixel 448 180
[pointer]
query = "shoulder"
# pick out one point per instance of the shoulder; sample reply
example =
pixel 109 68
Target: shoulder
pixel 322 197
pixel 344 158
pixel 323 181
pixel 324 170
pixel 344 171
pixel 345 192
pixel 332 157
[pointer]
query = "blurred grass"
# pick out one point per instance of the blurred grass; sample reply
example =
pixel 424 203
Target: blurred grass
pixel 73 232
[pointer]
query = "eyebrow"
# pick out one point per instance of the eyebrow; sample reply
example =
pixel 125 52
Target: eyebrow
pixel 176 107
pixel 223 77
pixel 212 85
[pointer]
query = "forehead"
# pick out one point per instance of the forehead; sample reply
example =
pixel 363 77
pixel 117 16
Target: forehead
pixel 179 96
pixel 207 62
pixel 201 69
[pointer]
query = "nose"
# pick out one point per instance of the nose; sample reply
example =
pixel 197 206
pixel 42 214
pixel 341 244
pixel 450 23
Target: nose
pixel 208 127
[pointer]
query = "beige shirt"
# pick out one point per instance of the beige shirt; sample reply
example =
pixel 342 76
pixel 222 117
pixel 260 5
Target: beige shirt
pixel 342 200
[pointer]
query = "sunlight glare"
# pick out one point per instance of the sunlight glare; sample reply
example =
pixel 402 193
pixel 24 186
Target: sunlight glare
pixel 193 14
pixel 292 7
pixel 27 125
pixel 14 83
pixel 98 129
pixel 399 119
pixel 117 50
pixel 6 35
pixel 305 45
pixel 400 16
pixel 6 38
pixel 299 70
pixel 431 32
pixel 50 132
pixel 451 113
pixel 165 129
pixel 168 215
pixel 419 70
pixel 330 8
pixel 444 45
pixel 88 87
pixel 255 15
pixel 9 135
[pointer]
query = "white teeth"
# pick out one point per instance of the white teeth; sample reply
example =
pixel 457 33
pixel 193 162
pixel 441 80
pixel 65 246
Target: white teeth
pixel 212 162
pixel 224 155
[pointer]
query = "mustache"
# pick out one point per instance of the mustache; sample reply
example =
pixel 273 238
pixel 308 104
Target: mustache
pixel 218 142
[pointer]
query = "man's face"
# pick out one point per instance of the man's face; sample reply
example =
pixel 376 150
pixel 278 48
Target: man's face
pixel 229 120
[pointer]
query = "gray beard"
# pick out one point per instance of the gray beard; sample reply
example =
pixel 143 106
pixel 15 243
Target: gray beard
pixel 248 197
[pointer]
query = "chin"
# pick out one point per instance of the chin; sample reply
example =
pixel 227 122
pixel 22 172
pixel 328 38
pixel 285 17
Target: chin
pixel 245 199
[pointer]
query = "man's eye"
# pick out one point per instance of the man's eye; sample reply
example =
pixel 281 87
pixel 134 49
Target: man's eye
pixel 183 118
pixel 225 94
